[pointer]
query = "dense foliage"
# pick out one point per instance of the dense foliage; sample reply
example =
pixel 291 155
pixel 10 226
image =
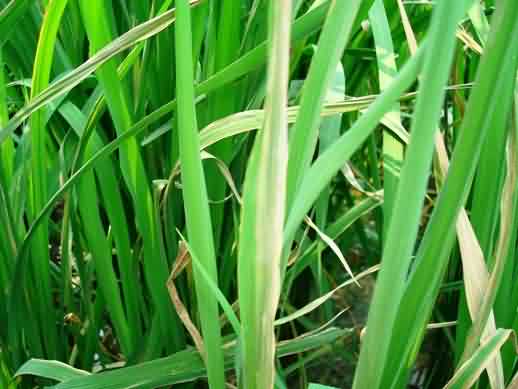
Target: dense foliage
pixel 214 192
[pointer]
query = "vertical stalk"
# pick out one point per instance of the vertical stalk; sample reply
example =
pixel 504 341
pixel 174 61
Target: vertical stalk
pixel 198 220
pixel 264 203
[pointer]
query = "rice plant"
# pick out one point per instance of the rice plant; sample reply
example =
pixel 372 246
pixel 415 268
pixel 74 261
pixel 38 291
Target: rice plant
pixel 258 194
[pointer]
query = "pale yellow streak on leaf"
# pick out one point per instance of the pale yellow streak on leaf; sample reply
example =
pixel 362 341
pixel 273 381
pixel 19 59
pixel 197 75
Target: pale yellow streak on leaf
pixel 476 275
pixel 333 246
pixel 505 334
pixel 322 299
